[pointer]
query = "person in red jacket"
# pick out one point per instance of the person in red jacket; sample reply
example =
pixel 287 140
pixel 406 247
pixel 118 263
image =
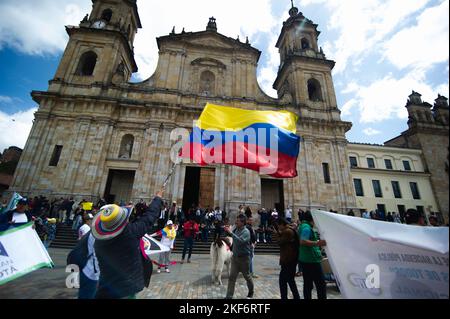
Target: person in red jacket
pixel 190 228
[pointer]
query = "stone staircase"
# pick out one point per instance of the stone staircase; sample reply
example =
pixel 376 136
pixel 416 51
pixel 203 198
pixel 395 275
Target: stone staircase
pixel 203 248
pixel 67 238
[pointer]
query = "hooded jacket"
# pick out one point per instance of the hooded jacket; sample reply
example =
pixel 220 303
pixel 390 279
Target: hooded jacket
pixel 120 260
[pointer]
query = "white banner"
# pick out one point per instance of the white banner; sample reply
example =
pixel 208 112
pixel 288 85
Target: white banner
pixel 153 246
pixel 374 259
pixel 21 252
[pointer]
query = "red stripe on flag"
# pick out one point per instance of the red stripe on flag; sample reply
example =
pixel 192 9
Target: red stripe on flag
pixel 251 156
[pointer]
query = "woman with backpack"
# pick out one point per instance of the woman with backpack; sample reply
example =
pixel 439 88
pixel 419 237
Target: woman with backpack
pixel 289 247
pixel 84 257
pixel 90 274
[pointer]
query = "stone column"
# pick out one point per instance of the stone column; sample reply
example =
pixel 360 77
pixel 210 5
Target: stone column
pixel 83 126
pixel 46 148
pixel 310 171
pixel 27 162
pixel 102 169
pixel 150 149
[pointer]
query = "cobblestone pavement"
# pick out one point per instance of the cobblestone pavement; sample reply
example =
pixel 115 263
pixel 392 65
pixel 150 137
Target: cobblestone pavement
pixel 186 281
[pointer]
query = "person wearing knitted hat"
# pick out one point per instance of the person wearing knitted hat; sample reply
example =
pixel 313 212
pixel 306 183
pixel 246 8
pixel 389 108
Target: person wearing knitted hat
pixel 117 248
pixel 168 235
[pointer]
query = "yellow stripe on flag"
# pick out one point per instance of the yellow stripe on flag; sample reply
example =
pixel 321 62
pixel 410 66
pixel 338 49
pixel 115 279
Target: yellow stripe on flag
pixel 224 118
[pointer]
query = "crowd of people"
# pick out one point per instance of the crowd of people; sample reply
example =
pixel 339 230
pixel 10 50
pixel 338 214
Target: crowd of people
pixel 393 217
pixel 116 267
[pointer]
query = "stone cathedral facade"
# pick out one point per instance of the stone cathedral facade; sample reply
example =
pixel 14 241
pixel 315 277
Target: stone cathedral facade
pixel 98 135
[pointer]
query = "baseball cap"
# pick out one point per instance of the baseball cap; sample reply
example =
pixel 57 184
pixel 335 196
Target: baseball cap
pixel 22 201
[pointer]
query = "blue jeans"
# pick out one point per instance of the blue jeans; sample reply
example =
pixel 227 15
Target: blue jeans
pixel 188 244
pixel 88 287
pixel 204 235
pixel 252 253
pixel 68 211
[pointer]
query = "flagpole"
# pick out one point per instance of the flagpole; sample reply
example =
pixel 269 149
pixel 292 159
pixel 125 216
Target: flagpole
pixel 172 170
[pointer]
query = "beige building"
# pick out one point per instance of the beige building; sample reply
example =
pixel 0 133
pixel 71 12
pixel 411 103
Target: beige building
pixel 97 135
pixel 428 131
pixel 390 179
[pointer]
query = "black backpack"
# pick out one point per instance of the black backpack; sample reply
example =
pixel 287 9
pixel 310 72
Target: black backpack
pixel 252 234
pixel 80 254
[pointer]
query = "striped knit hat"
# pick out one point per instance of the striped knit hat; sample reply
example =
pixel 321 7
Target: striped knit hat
pixel 110 221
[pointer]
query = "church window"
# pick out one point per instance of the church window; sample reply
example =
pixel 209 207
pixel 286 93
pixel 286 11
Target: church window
pixel 314 90
pixel 370 162
pixel 358 187
pixel 415 190
pixel 353 162
pixel 126 146
pixel 207 83
pixel 388 164
pixel 87 64
pixel 107 15
pixel 326 173
pixel 377 188
pixel 56 155
pixel 305 44
pixel 406 165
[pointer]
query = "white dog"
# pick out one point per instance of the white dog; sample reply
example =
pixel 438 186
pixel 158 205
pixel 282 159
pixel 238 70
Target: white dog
pixel 221 254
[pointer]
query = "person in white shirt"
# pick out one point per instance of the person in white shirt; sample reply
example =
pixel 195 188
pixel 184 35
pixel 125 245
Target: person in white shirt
pixel 397 218
pixel 16 217
pixel 86 227
pixel 168 235
pixel 218 214
pixel 274 214
pixel 366 215
pixel 162 217
pixel 288 214
pixel 90 274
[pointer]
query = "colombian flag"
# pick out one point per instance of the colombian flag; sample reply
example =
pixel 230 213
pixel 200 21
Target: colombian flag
pixel 263 141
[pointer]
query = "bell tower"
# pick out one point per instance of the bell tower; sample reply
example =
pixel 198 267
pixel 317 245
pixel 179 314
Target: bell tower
pixel 100 48
pixel 304 77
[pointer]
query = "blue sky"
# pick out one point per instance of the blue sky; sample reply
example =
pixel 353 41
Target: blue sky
pixel 383 50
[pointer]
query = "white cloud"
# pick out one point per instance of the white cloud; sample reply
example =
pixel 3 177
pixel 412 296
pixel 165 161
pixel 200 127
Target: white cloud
pixel 370 131
pixel 424 44
pixel 386 98
pixel 234 17
pixel 38 28
pixel 363 25
pixel 268 72
pixel 347 108
pixel 350 88
pixel 5 99
pixel 15 128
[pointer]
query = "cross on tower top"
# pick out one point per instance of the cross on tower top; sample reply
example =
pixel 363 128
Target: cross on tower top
pixel 293 11
pixel 212 25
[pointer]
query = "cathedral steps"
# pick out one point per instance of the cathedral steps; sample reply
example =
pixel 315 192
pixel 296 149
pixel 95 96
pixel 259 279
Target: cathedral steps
pixel 203 248
pixel 67 238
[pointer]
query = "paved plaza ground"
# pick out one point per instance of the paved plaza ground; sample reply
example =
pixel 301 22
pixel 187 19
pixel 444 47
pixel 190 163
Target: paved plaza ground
pixel 186 281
